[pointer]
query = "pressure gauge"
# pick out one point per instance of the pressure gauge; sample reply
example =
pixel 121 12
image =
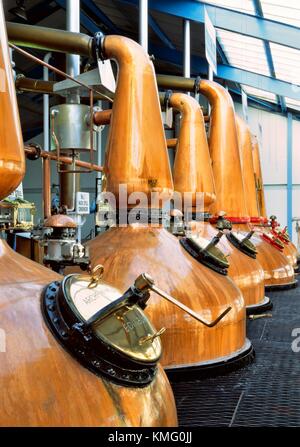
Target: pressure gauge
pixel 107 331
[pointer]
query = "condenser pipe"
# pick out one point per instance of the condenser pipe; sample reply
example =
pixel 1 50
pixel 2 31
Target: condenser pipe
pixel 49 39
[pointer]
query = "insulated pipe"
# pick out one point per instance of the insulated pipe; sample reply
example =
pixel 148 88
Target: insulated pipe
pixel 46 123
pixel 73 25
pixel 187 49
pixel 50 39
pixel 143 24
pixel 70 182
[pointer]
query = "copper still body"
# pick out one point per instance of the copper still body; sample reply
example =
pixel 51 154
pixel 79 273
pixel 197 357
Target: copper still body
pixel 193 173
pixel 290 250
pixel 41 383
pixel 136 156
pixel 254 199
pixel 230 183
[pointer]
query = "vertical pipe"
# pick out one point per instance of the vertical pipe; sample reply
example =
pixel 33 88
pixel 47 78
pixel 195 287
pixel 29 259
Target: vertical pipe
pixel 187 49
pixel 290 173
pixel 143 24
pixel 47 187
pixel 46 123
pixel 46 161
pixel 73 24
pixel 99 145
pixel 70 183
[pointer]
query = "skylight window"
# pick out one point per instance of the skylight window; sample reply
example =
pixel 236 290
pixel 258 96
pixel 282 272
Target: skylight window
pixel 286 63
pixel 244 52
pixel 237 5
pixel 261 94
pixel 287 11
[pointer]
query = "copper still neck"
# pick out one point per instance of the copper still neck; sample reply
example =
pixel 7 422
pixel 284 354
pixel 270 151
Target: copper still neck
pixel 12 158
pixel 192 172
pixel 136 151
pixel 244 138
pixel 261 202
pixel 224 150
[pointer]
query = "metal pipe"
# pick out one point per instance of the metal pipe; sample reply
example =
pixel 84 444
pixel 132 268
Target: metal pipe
pixel 46 161
pixel 47 187
pixel 176 83
pixel 70 182
pixel 46 123
pixel 50 39
pixel 73 25
pixel 34 85
pixel 172 143
pixel 143 24
pixel 187 49
pixel 102 117
pixel 31 151
pixel 99 145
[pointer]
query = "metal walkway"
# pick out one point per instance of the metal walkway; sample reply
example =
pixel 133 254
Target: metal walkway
pixel 265 393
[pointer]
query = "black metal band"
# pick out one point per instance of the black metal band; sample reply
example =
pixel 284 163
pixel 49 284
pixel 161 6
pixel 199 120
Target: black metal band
pixel 202 256
pixel 37 154
pixel 197 84
pixel 98 41
pixel 244 248
pixel 80 341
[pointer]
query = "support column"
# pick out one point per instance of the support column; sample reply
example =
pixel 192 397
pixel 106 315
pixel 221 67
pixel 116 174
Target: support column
pixel 290 173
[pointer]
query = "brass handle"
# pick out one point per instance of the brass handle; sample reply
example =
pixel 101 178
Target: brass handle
pixel 145 282
pixel 152 337
pixel 96 274
pixel 256 317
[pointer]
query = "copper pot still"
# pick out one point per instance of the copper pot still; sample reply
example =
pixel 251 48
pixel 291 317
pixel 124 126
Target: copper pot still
pixel 290 250
pixel 41 383
pixel 193 173
pixel 255 198
pixel 136 155
pixel 230 183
